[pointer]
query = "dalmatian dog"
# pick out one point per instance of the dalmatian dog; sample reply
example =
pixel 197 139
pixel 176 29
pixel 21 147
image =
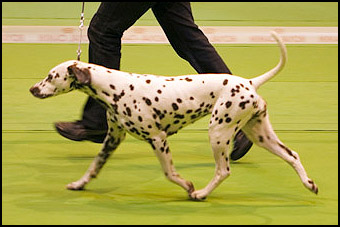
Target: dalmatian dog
pixel 151 108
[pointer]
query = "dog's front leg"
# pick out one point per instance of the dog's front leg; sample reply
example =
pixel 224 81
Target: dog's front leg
pixel 162 151
pixel 220 140
pixel 114 137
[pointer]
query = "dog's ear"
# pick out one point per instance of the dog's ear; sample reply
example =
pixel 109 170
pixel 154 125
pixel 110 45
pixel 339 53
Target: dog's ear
pixel 83 76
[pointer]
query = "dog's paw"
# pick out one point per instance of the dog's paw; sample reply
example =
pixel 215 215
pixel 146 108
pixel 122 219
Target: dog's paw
pixel 312 186
pixel 77 185
pixel 198 195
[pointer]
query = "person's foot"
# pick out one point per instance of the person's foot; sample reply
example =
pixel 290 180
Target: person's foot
pixel 241 146
pixel 76 131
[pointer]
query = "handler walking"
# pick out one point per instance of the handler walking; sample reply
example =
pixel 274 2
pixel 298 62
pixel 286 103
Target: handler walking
pixel 105 33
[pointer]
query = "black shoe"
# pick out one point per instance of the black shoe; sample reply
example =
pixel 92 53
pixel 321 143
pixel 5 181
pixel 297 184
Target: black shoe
pixel 241 146
pixel 76 131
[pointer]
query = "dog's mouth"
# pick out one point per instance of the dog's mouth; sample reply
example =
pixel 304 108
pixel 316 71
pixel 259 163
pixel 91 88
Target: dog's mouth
pixel 36 93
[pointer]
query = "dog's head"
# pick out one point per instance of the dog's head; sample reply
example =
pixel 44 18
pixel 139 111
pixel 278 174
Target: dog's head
pixel 61 79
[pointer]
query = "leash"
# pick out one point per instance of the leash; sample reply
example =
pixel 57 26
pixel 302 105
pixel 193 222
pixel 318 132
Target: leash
pixel 81 30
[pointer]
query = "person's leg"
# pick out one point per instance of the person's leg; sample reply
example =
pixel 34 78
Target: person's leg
pixel 105 32
pixel 187 39
pixel 191 44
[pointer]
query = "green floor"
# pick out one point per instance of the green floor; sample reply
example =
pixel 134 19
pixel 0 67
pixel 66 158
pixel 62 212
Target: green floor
pixel 37 163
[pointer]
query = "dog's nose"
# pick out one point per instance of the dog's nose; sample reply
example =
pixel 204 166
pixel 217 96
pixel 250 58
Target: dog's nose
pixel 34 90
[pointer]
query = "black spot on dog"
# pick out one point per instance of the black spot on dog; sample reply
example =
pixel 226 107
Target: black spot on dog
pixel 116 97
pixel 287 150
pixel 176 121
pixel 105 93
pixel 115 108
pixel 159 113
pixel 225 82
pixel 128 110
pixel 112 87
pixel 49 78
pixel 228 104
pixel 243 104
pixel 228 119
pixel 147 101
pixel 158 125
pixel 180 116
pixel 261 139
pixel 167 127
pixel 198 110
pixel 131 87
pixel 151 143
pixel 146 133
pixel 174 106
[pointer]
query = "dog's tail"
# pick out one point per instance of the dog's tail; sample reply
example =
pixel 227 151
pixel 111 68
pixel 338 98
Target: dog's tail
pixel 258 81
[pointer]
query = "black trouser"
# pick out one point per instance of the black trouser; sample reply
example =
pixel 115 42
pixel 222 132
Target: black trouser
pixel 113 18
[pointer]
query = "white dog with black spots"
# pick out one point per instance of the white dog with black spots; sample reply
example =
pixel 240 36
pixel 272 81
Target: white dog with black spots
pixel 151 108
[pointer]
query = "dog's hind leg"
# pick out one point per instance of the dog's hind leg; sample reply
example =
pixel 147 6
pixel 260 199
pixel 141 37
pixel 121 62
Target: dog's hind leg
pixel 162 151
pixel 260 131
pixel 115 136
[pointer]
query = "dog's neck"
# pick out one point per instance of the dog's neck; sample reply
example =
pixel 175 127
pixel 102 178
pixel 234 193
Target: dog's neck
pixel 105 91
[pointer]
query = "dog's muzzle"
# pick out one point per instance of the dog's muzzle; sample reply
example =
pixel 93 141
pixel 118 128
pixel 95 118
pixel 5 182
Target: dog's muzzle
pixel 36 92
